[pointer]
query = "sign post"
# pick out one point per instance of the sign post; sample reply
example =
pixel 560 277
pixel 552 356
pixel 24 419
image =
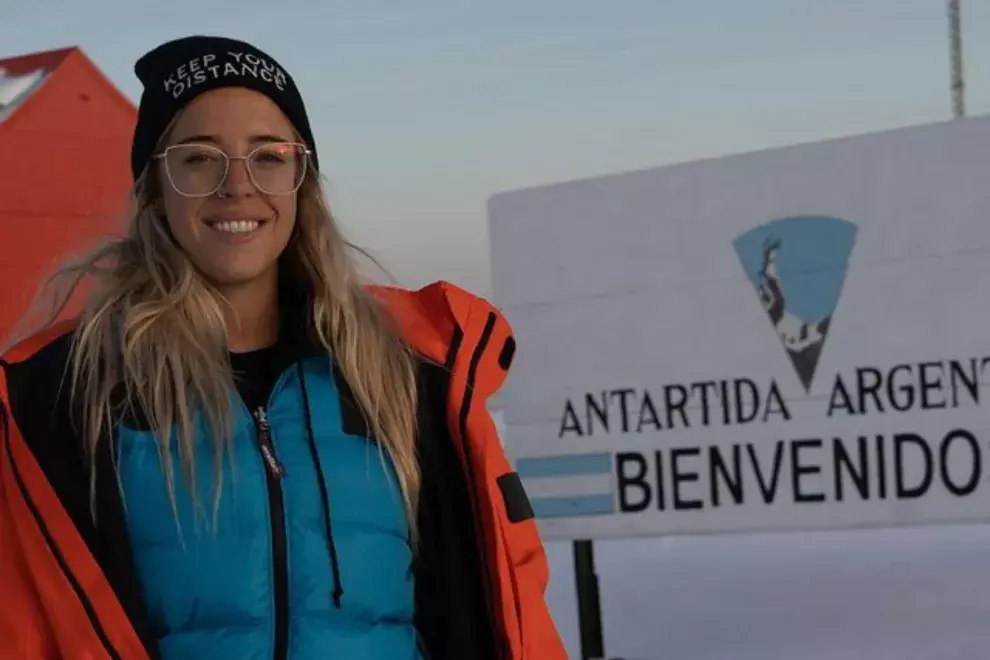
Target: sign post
pixel 589 601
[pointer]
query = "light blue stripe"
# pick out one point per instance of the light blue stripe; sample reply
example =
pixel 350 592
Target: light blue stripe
pixel 564 507
pixel 564 466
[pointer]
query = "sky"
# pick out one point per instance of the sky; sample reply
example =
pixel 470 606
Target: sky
pixel 422 110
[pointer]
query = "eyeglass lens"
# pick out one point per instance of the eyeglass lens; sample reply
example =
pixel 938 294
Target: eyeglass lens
pixel 199 169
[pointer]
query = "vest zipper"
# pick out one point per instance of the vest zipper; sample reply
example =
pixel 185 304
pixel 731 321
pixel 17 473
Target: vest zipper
pixel 275 467
pixel 273 478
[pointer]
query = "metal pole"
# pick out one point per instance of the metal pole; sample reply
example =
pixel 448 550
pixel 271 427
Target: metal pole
pixel 589 602
pixel 956 57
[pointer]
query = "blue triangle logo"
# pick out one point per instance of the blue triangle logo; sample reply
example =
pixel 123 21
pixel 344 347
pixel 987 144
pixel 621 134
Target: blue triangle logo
pixel 798 267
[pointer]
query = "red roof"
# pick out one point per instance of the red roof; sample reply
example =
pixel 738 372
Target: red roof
pixel 65 135
pixel 24 64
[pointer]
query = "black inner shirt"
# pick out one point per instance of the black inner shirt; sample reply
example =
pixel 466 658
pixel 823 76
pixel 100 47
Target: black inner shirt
pixel 256 372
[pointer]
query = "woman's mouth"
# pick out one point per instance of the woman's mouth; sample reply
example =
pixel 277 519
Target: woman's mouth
pixel 236 231
pixel 235 226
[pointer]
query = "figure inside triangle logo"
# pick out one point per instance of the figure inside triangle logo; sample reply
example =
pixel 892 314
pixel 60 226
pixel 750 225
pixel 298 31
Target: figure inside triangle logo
pixel 798 266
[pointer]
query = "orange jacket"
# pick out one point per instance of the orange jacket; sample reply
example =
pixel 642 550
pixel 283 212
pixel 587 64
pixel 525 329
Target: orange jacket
pixel 57 599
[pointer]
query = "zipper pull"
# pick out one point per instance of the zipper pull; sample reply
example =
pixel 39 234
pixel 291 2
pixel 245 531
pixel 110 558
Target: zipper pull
pixel 265 442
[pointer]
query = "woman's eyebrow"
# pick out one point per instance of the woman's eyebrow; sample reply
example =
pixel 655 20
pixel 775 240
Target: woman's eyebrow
pixel 212 139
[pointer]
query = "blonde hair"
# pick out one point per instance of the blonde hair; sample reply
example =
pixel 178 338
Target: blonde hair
pixel 153 326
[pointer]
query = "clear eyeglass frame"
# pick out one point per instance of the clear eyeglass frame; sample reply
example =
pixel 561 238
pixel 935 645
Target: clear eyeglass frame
pixel 304 150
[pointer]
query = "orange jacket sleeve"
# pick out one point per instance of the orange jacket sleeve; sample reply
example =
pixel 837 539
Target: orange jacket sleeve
pixel 24 629
pixel 536 636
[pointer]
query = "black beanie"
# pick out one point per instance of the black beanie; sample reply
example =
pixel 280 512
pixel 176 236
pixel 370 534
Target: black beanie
pixel 176 72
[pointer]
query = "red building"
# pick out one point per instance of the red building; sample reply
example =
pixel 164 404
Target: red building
pixel 65 134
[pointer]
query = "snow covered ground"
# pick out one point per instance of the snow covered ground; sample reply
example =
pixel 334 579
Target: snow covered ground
pixel 904 594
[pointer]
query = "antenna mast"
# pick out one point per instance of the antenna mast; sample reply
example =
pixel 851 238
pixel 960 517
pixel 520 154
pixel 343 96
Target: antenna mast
pixel 955 45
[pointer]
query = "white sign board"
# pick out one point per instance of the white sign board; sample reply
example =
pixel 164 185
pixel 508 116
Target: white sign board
pixel 790 339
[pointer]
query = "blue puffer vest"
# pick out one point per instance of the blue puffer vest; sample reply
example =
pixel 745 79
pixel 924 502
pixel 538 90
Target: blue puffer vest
pixel 283 549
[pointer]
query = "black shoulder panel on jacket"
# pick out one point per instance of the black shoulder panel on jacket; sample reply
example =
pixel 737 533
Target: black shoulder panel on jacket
pixel 38 388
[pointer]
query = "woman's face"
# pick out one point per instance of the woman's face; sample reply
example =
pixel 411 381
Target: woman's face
pixel 236 234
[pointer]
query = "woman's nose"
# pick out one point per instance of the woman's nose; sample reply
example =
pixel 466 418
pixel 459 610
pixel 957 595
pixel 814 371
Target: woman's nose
pixel 238 181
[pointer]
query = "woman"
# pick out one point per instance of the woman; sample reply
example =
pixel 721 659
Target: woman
pixel 237 450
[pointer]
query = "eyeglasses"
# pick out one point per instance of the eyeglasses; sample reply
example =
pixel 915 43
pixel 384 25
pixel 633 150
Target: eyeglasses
pixel 200 170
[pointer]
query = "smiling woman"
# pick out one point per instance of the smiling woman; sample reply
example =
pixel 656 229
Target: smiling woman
pixel 241 451
pixel 232 222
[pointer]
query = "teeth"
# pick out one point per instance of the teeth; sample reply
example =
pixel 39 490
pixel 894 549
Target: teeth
pixel 237 227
